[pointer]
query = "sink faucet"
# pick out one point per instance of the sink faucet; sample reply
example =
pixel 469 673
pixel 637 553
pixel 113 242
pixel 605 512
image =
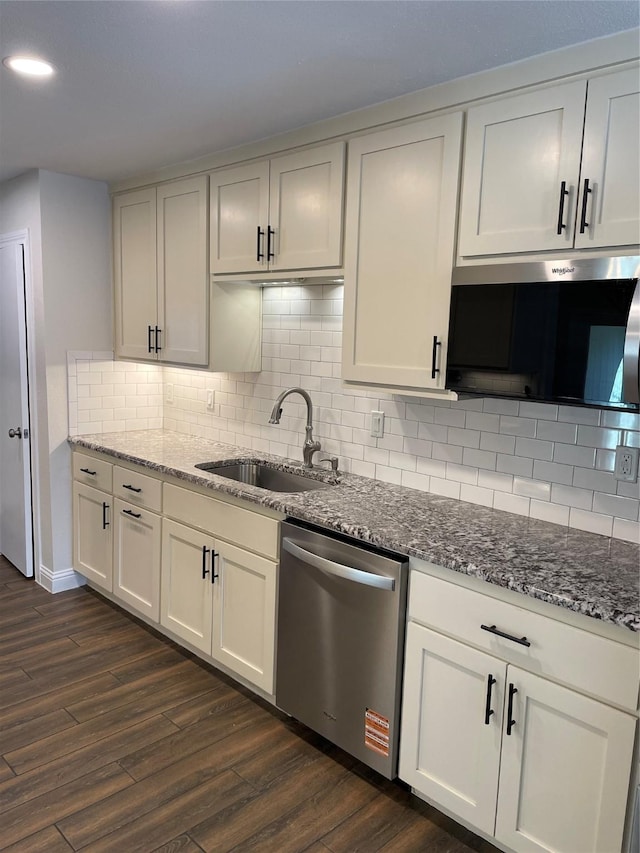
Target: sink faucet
pixel 310 446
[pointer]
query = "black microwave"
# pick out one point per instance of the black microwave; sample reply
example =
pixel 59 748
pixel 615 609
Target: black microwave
pixel 558 331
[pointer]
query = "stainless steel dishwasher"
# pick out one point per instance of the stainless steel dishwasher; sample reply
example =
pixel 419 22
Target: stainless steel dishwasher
pixel 341 625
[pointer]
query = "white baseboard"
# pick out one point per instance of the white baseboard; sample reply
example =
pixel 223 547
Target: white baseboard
pixel 59 581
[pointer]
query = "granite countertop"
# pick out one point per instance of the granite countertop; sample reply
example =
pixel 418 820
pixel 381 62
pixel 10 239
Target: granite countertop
pixel 583 572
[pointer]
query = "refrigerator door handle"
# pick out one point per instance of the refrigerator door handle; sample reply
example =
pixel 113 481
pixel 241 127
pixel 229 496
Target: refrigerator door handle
pixel 337 569
pixel 631 358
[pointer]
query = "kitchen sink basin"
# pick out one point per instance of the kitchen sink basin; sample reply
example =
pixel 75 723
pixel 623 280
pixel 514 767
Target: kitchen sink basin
pixel 261 475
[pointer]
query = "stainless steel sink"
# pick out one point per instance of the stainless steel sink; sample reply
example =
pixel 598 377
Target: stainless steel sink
pixel 261 475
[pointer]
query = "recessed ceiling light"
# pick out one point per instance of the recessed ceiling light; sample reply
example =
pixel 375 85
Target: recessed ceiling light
pixel 28 65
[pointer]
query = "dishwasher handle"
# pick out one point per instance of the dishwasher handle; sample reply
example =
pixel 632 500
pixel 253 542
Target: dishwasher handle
pixel 337 569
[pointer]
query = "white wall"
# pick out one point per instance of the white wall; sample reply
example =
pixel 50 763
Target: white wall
pixel 68 219
pixel 76 261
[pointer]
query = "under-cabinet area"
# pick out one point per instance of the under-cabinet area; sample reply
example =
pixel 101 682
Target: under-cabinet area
pixel 519 718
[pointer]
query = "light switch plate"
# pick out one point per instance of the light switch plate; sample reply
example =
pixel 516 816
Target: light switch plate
pixel 168 393
pixel 377 424
pixel 210 400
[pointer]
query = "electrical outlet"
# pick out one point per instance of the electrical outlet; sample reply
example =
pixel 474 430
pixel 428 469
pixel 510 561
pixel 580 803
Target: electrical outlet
pixel 377 424
pixel 626 465
pixel 168 393
pixel 210 397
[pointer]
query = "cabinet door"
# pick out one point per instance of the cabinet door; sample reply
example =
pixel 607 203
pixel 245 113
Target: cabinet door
pixel 244 596
pixel 564 776
pixel 448 750
pixel 136 554
pixel 611 163
pixel 518 151
pixel 185 595
pixel 239 217
pixel 134 273
pixel 305 208
pixel 401 205
pixel 92 538
pixel 183 286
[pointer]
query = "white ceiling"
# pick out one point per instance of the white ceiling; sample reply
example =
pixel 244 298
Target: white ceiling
pixel 142 84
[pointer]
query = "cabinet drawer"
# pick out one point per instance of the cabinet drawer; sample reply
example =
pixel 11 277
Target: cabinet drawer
pixel 587 662
pixel 92 471
pixel 247 529
pixel 138 489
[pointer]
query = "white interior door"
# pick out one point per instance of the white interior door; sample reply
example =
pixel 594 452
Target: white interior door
pixel 16 525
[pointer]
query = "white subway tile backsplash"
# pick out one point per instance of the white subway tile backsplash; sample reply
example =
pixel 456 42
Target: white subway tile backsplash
pixel 482 421
pixel 464 437
pixel 545 511
pixel 552 431
pixel 569 454
pixel 500 407
pixel 539 411
pixel 591 521
pixel 497 443
pixel 615 505
pixel 517 426
pixel 598 437
pixel 628 530
pixel 551 462
pixel 553 472
pixel 532 488
pixel 476 495
pixel 495 480
pixel 571 496
pixel 479 458
pixel 598 481
pixel 533 448
pixel 511 503
pixel 579 415
pixel 462 473
pixel 516 465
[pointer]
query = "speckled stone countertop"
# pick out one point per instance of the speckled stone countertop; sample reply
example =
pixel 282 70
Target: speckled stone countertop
pixel 584 572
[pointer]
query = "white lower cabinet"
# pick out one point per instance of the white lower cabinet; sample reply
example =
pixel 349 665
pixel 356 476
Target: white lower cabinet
pixel 221 599
pixel 92 536
pixel 136 554
pixel 564 773
pixel 532 763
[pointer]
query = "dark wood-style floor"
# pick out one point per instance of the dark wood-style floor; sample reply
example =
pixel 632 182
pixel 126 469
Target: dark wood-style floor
pixel 113 739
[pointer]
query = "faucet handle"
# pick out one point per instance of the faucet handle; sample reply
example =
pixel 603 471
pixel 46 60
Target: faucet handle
pixel 333 460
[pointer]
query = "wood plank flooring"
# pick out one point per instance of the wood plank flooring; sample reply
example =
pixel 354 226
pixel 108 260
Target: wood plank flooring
pixel 113 739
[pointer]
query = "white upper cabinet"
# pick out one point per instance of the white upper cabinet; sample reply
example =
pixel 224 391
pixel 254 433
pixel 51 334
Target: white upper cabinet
pixel 134 272
pixel 400 226
pixel 521 153
pixel 282 214
pixel 161 282
pixel 609 212
pixel 534 182
pixel 182 271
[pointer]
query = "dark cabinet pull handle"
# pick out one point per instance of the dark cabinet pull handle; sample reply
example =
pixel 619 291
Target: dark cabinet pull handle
pixel 434 356
pixel 132 488
pixel 493 630
pixel 149 336
pixel 585 198
pixel 205 570
pixel 259 254
pixel 87 471
pixel 105 523
pixel 131 512
pixel 564 192
pixel 214 557
pixel 510 721
pixel 488 711
pixel 271 233
pixel 158 333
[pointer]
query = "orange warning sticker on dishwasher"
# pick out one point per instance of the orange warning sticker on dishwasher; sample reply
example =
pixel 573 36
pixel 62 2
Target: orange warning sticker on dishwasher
pixel 376 732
